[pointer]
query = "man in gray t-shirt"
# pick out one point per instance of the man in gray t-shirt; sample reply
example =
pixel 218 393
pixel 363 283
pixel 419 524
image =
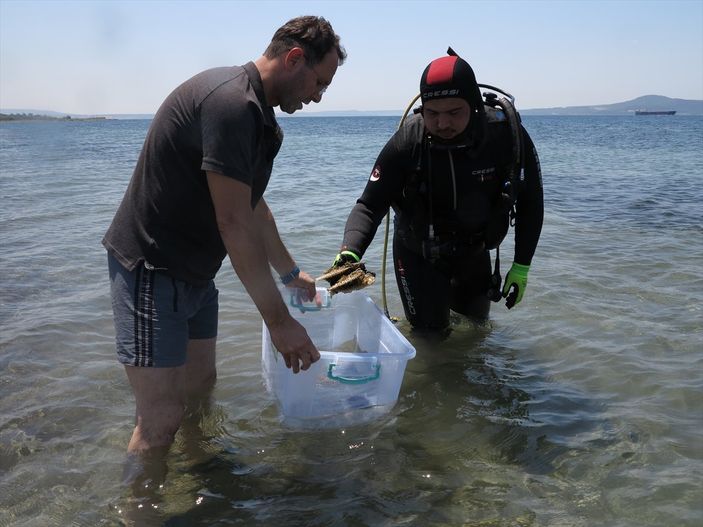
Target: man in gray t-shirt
pixel 195 197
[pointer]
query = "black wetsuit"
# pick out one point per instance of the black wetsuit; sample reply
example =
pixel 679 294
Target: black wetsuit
pixel 457 189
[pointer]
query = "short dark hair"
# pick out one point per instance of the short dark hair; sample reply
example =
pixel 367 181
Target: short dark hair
pixel 312 33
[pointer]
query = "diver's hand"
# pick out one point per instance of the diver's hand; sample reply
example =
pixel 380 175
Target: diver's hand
pixel 348 273
pixel 515 284
pixel 344 257
pixel 344 263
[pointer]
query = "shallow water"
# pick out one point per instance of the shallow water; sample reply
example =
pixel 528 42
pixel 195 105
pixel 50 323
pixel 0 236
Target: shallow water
pixel 582 406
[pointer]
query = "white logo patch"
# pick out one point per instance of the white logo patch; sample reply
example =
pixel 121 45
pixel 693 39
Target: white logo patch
pixel 375 174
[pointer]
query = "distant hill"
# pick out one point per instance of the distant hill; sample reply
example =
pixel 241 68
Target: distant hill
pixel 48 113
pixel 61 115
pixel 646 102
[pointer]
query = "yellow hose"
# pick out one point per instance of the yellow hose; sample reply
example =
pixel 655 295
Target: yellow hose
pixel 388 225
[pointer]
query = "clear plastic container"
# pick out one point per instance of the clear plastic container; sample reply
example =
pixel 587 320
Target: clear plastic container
pixel 360 371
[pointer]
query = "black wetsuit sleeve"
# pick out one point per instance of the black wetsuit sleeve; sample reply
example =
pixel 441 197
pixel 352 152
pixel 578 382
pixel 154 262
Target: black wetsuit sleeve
pixel 529 206
pixel 384 185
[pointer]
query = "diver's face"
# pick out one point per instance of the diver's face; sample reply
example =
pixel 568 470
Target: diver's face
pixel 446 118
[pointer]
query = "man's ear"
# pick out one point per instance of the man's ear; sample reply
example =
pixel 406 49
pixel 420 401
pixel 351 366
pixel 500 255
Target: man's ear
pixel 293 58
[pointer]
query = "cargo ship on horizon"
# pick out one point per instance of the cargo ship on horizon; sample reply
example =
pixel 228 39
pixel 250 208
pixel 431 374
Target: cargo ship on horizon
pixel 655 112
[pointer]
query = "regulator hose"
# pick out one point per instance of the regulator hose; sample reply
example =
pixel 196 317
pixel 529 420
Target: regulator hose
pixel 388 225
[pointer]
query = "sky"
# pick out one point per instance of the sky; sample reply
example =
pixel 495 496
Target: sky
pixel 103 57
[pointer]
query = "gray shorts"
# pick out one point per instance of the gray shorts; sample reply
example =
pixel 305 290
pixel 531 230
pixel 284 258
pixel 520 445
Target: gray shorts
pixel 155 315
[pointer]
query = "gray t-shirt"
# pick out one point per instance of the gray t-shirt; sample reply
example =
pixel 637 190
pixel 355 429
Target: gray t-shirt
pixel 216 121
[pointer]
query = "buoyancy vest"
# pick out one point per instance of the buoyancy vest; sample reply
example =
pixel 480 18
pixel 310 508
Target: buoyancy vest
pixel 460 197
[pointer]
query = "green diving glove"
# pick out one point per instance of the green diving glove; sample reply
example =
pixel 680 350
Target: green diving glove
pixel 345 264
pixel 515 284
pixel 344 257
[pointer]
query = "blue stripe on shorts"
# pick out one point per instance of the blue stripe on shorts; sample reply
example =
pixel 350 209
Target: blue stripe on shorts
pixel 144 314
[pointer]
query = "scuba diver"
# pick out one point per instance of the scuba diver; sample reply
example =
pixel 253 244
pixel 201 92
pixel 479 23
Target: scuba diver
pixel 457 173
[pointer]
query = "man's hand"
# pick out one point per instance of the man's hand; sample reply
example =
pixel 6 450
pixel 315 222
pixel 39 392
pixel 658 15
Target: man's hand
pixel 292 341
pixel 306 284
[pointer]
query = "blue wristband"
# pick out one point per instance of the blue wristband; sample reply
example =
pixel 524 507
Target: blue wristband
pixel 288 278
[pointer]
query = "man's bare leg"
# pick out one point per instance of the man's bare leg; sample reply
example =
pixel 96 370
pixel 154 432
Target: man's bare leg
pixel 160 397
pixel 163 396
pixel 196 428
pixel 201 371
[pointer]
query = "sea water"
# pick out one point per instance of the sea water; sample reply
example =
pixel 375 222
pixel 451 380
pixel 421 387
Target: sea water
pixel 581 406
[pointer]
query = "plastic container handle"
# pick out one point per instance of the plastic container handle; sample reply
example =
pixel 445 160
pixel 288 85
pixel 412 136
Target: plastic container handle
pixel 325 302
pixel 353 380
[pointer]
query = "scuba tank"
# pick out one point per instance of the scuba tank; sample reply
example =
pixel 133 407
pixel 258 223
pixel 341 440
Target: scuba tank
pixel 515 170
pixel 516 173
